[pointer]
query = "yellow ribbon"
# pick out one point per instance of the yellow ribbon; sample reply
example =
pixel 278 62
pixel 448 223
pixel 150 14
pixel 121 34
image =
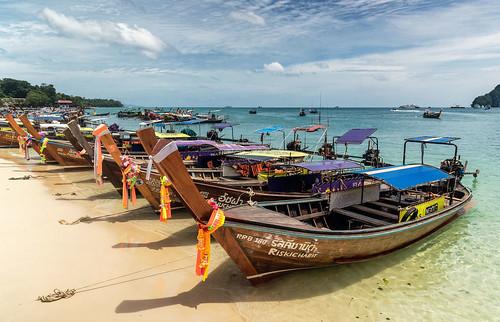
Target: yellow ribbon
pixel 45 141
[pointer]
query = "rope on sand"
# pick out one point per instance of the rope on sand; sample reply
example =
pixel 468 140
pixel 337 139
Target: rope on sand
pixel 57 295
pixel 26 177
pixel 79 220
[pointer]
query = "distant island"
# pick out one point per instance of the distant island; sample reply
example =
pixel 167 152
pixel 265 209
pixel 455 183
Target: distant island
pixel 491 99
pixel 15 92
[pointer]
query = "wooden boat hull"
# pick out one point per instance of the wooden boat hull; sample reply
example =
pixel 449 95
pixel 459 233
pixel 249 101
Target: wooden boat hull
pixel 225 196
pixel 8 138
pixel 68 153
pixel 271 251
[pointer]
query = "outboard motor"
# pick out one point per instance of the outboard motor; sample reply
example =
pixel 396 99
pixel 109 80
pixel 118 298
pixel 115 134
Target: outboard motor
pixel 114 127
pixel 213 135
pixel 456 168
pixel 372 157
pixel 293 145
pixel 326 150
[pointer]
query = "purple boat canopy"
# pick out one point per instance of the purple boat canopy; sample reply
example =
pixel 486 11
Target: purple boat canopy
pixel 329 165
pixel 219 146
pixel 355 136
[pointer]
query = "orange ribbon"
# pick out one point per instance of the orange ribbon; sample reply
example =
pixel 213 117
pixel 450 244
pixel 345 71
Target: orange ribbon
pixel 204 231
pixel 165 210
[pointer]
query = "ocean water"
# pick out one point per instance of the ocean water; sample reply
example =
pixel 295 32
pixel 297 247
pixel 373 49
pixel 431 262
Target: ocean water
pixel 452 276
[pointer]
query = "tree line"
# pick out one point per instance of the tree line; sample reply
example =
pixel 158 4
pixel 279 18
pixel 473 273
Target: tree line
pixel 46 95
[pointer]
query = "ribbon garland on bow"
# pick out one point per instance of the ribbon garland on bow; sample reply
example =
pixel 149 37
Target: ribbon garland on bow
pixel 43 158
pixel 130 173
pixel 98 156
pixel 24 144
pixel 204 231
pixel 165 210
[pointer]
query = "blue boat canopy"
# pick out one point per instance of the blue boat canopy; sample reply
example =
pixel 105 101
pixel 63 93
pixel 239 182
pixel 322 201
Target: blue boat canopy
pixel 271 129
pixel 407 176
pixel 432 139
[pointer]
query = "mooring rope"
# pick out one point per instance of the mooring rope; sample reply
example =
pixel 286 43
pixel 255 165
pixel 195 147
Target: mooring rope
pixel 58 294
pixel 79 220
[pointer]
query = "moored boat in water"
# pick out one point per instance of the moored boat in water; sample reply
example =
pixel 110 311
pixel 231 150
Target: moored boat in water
pixel 428 114
pixel 382 211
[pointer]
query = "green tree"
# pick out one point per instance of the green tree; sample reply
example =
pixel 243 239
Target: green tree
pixel 49 90
pixel 37 98
pixel 15 88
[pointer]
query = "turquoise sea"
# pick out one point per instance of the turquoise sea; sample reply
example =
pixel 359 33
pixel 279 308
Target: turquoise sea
pixel 453 276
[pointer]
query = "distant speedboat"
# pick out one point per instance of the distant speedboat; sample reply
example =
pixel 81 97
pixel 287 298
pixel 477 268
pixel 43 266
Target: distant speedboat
pixel 313 111
pixel 457 106
pixel 252 111
pixel 410 107
pixel 302 112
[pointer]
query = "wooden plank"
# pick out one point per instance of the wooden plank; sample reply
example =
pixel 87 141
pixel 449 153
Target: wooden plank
pixel 361 218
pixel 71 138
pixel 75 130
pixel 51 150
pixel 309 216
pixel 383 204
pixel 376 212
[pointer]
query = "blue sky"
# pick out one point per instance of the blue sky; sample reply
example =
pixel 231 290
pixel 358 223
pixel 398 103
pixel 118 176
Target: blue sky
pixel 260 52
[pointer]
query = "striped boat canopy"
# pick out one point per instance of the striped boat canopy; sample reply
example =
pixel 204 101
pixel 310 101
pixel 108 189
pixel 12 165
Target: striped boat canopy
pixel 403 177
pixel 433 139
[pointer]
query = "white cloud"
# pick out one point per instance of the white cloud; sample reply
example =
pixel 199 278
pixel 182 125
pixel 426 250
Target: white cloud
pixel 105 31
pixel 248 16
pixel 274 67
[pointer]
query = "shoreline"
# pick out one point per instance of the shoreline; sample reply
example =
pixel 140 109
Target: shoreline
pixel 134 267
pixel 128 261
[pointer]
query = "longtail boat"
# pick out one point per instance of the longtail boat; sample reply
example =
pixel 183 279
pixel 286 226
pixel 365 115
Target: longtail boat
pixel 62 152
pixel 25 139
pixel 390 208
pixel 371 156
pixel 227 193
pixel 103 136
pixel 8 138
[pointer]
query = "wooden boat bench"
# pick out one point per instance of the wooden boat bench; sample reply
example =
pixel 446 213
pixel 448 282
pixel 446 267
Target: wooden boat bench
pixel 376 212
pixel 384 205
pixel 361 218
pixel 310 216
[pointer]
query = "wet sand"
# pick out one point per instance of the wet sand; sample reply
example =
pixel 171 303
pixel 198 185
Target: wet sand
pixel 128 266
pixel 135 257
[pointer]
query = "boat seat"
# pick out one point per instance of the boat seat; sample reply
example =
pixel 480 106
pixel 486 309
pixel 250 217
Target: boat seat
pixel 385 205
pixel 375 212
pixel 310 216
pixel 361 218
